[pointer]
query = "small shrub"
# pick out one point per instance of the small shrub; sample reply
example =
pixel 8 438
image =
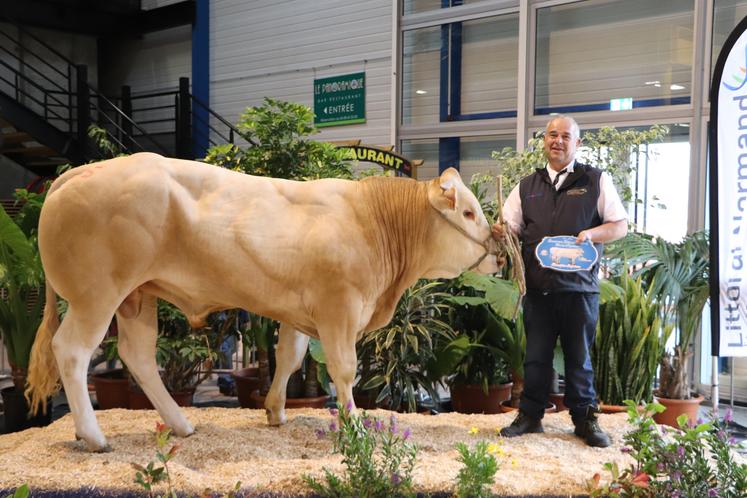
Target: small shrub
pixel 694 461
pixel 479 470
pixel 150 475
pixel 379 459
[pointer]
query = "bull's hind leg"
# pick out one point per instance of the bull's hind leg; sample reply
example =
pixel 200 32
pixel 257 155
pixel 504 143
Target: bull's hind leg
pixel 289 355
pixel 137 336
pixel 73 344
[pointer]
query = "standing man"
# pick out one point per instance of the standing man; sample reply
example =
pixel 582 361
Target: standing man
pixel 563 198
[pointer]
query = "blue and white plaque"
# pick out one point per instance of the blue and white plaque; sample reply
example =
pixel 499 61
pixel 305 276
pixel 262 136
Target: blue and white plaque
pixel 561 253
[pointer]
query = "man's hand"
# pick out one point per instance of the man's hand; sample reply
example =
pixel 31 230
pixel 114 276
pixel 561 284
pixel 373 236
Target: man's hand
pixel 583 236
pixel 498 231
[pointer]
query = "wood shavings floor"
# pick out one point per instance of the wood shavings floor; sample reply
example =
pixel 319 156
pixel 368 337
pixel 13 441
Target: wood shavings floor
pixel 232 445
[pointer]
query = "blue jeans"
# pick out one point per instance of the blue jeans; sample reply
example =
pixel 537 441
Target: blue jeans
pixel 572 316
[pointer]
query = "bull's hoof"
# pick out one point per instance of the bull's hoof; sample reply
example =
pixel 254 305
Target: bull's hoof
pixel 276 420
pixel 186 431
pixel 104 449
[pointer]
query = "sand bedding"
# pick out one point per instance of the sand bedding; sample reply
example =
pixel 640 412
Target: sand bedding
pixel 231 445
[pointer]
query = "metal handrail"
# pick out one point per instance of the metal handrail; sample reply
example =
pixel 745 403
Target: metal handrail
pixel 222 120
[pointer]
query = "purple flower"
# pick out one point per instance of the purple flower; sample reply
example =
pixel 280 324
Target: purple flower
pixel 660 467
pixel 700 420
pixel 713 493
pixel 676 475
pixel 321 433
pixel 333 412
pixel 393 429
pixel 367 423
pixel 732 441
pixel 349 406
pixel 406 435
pixel 728 416
pixel 396 479
pixel 392 420
pixel 680 451
pixel 333 427
pixel 721 435
pixel 676 493
pixel 379 425
pixel 625 449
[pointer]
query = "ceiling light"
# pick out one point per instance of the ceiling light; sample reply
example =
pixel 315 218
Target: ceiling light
pixel 421 92
pixel 675 86
pixel 655 83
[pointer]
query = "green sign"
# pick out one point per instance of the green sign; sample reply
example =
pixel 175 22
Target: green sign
pixel 340 100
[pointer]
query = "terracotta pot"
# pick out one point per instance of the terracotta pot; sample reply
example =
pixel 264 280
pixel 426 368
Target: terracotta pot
pixel 247 381
pixel 111 387
pixel 617 408
pixel 470 398
pixel 139 401
pixel 557 400
pixel 677 407
pixel 506 407
pixel 316 402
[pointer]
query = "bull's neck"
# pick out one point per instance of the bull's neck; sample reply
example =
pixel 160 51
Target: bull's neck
pixel 401 216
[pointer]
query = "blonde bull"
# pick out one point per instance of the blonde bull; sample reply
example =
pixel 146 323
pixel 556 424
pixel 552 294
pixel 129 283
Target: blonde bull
pixel 327 258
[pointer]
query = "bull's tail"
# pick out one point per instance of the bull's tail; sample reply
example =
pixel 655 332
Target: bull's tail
pixel 43 375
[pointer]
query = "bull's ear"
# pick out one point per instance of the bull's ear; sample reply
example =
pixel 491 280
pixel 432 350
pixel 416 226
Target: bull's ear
pixel 449 178
pixel 450 197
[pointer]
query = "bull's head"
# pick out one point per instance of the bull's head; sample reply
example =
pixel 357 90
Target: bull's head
pixel 464 237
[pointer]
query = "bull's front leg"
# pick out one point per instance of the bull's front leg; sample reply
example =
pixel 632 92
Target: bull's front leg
pixel 289 356
pixel 339 350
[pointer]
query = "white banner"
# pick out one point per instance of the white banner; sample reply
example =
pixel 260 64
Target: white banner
pixel 732 200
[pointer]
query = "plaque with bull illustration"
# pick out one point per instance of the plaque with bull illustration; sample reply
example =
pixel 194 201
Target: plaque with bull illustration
pixel 562 253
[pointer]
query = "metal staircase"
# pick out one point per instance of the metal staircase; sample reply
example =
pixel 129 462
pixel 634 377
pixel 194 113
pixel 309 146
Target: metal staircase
pixel 47 105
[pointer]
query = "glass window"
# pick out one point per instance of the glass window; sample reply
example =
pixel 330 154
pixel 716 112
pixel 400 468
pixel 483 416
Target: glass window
pixel 420 76
pixel 464 70
pixel 660 183
pixel 726 16
pixel 425 149
pixel 590 53
pixel 489 64
pixel 475 154
pixel 417 6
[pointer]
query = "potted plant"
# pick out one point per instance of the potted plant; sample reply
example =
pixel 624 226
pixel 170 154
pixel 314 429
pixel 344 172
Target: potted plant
pixel 629 343
pixel 184 355
pixel 391 360
pixel 21 301
pixel 677 274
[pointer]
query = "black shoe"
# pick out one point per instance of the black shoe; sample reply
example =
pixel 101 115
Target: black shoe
pixel 522 424
pixel 587 428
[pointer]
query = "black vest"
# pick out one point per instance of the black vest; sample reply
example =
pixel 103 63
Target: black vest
pixel 567 211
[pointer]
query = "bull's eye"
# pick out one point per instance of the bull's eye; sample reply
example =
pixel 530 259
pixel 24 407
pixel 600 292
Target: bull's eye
pixel 469 214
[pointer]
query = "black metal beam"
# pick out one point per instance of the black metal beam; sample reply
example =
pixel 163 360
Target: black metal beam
pixel 24 119
pixel 83 17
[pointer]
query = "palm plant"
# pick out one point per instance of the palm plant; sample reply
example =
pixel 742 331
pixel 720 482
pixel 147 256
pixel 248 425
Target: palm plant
pixel 391 359
pixel 21 294
pixel 677 275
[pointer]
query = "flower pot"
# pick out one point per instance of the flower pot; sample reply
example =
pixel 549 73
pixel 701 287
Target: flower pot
pixel 677 407
pixel 366 400
pixel 111 387
pixel 139 401
pixel 470 398
pixel 16 412
pixel 557 400
pixel 247 381
pixel 506 407
pixel 315 402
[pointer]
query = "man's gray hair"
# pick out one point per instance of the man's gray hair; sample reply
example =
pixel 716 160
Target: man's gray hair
pixel 574 125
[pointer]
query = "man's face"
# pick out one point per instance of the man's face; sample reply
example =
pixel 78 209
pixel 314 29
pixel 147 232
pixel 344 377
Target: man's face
pixel 561 142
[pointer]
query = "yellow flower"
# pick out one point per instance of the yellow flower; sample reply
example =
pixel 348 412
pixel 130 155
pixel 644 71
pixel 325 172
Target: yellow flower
pixel 495 449
pixel 513 462
pixel 473 430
